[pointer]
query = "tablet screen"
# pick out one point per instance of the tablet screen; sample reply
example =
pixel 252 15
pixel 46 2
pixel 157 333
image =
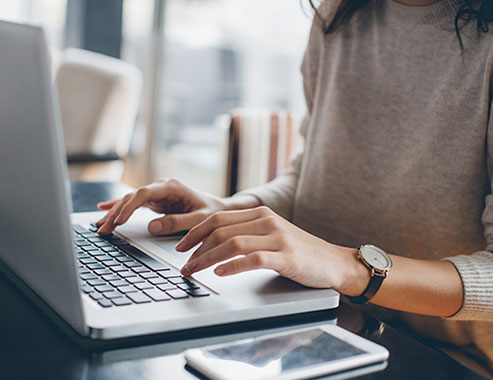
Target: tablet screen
pixel 293 351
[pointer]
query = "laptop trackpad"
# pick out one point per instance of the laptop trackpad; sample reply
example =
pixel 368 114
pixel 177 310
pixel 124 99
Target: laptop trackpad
pixel 259 282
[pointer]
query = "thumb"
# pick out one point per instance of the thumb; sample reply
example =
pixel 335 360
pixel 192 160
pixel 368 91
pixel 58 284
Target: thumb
pixel 172 223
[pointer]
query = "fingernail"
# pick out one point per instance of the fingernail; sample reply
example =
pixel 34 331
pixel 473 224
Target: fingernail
pixel 155 227
pixel 190 267
pixel 219 270
pixel 179 246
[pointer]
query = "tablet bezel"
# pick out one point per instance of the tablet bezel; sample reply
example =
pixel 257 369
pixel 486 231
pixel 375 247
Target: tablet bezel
pixel 374 353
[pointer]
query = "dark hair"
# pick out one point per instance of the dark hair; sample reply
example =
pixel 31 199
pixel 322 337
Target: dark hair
pixel 479 10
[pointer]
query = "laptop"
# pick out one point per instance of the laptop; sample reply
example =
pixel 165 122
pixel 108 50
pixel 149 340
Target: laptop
pixel 104 288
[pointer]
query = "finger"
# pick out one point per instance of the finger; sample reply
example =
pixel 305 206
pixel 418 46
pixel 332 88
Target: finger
pixel 107 205
pixel 255 260
pixel 238 245
pixel 139 199
pixel 109 225
pixel 172 223
pixel 219 219
pixel 103 220
pixel 261 226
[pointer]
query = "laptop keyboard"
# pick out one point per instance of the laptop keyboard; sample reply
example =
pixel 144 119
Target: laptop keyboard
pixel 114 273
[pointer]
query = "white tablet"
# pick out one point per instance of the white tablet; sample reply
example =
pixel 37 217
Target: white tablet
pixel 298 354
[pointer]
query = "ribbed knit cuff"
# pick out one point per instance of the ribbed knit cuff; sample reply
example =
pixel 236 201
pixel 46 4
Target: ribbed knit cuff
pixel 476 272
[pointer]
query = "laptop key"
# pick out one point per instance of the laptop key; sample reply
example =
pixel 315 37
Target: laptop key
pixel 119 242
pixel 157 281
pixel 83 269
pixel 103 245
pixel 112 251
pixel 148 275
pixel 157 295
pixel 103 272
pixel 96 296
pixel 140 269
pixel 119 268
pixel 127 289
pixel 110 277
pixel 123 301
pixel 96 254
pixel 169 273
pixel 167 287
pixel 88 276
pixel 188 286
pixel 96 282
pixel 198 293
pixel 127 274
pixel 105 303
pixel 111 237
pixel 139 297
pixel 114 294
pixel 104 288
pixel 135 280
pixel 143 258
pixel 144 285
pixel 86 289
pixel 88 261
pixel 91 249
pixel 117 283
pixel 104 258
pixel 177 294
pixel 95 266
pixel 127 260
pixel 78 228
pixel 112 263
pixel 178 280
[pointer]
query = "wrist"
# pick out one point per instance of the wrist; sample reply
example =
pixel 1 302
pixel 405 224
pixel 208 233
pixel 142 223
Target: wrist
pixel 241 202
pixel 356 277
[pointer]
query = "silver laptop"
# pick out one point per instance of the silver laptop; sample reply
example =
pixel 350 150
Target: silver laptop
pixel 120 286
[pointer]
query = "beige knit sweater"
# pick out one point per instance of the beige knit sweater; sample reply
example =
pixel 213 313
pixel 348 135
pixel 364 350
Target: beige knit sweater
pixel 398 149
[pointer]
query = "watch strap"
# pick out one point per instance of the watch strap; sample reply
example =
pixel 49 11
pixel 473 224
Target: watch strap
pixel 372 288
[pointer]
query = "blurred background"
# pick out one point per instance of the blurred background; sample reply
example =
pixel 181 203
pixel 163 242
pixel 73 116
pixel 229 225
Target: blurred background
pixel 184 65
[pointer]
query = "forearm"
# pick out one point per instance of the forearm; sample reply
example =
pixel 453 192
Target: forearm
pixel 417 286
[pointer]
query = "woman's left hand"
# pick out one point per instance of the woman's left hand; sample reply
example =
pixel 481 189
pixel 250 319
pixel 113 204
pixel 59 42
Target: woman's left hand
pixel 263 239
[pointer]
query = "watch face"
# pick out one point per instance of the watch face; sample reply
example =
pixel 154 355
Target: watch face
pixel 377 258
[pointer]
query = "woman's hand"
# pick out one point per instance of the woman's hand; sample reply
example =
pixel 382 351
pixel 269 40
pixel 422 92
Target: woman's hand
pixel 184 207
pixel 263 239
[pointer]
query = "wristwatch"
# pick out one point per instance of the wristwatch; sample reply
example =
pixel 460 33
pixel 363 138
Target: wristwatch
pixel 379 264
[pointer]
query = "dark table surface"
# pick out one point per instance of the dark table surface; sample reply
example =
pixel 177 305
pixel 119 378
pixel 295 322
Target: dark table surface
pixel 33 346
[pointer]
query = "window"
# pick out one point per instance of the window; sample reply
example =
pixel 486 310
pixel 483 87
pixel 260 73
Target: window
pixel 219 55
pixel 48 13
pixel 215 55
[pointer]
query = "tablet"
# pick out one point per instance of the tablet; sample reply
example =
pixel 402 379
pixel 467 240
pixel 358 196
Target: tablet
pixel 298 354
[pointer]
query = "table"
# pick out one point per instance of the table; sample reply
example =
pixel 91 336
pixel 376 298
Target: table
pixel 33 347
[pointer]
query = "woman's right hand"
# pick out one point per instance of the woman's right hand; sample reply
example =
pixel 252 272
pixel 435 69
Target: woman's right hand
pixel 183 206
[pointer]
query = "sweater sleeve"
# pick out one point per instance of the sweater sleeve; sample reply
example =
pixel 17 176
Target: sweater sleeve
pixel 476 270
